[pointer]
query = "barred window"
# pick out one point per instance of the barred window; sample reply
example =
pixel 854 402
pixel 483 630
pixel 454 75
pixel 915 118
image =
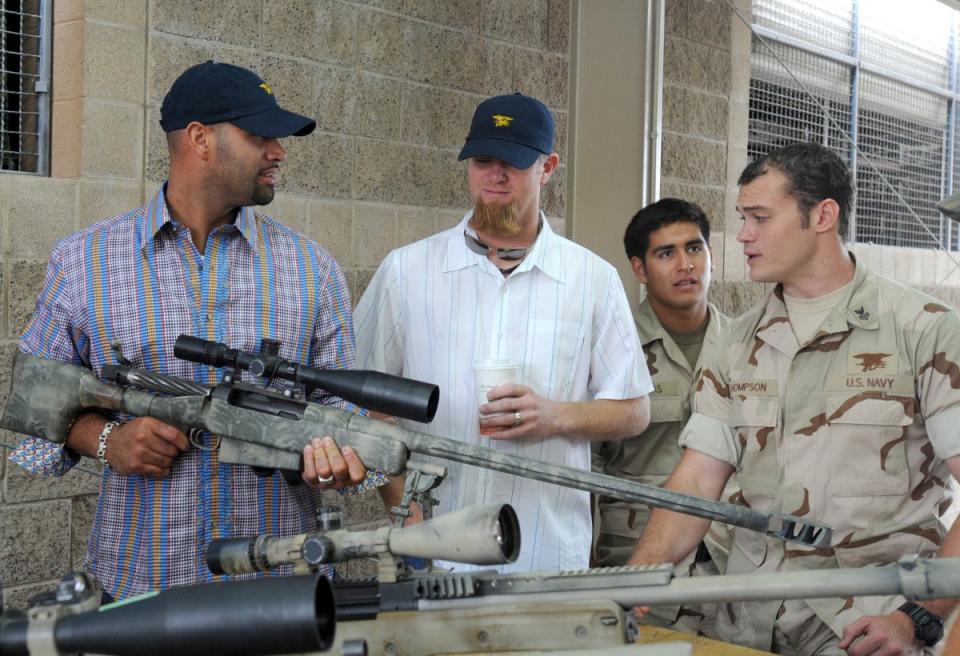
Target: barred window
pixel 878 73
pixel 24 85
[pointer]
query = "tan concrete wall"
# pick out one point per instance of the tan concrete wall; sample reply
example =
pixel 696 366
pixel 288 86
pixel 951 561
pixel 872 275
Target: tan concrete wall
pixel 392 84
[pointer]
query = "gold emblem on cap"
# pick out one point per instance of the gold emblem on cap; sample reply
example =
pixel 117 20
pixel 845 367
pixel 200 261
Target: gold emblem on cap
pixel 266 87
pixel 501 121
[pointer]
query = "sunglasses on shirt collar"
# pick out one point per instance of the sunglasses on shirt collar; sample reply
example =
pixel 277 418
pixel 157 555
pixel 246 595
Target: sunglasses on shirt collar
pixel 508 254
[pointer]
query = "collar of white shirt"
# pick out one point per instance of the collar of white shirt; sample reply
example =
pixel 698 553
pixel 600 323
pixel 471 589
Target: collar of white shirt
pixel 546 253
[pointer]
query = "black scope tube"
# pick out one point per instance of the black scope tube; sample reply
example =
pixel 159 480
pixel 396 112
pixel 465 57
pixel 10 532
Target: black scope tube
pixel 392 395
pixel 268 615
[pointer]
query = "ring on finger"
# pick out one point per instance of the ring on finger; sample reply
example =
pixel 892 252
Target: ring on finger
pixel 516 418
pixel 325 480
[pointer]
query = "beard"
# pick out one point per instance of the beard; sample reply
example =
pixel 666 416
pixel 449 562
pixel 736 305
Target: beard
pixel 262 194
pixel 495 218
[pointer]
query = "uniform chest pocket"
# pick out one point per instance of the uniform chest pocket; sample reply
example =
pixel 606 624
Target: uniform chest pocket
pixel 665 409
pixel 866 452
pixel 755 420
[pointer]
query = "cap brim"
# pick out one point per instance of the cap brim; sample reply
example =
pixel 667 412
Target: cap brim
pixel 514 154
pixel 276 123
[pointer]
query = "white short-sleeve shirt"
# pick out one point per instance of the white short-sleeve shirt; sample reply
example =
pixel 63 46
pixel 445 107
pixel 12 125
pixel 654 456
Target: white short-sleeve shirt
pixel 434 307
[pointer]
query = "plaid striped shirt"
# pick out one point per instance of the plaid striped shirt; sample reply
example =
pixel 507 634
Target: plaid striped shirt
pixel 138 280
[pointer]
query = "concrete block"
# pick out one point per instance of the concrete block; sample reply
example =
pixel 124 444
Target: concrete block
pixel 435 117
pixel 128 12
pixel 694 159
pixel 26 281
pixel 34 541
pixel 112 140
pixel 22 486
pixel 375 233
pixel 399 47
pixel 321 30
pixel 543 76
pixel 68 11
pixel 716 242
pixel 103 198
pixel 170 55
pixel 734 263
pixel 158 160
pixel 708 21
pixel 113 63
pixel 691 64
pixel 560 121
pixel 7 180
pixel 362 278
pixel 675 19
pixel 82 511
pixel 7 350
pixel 68 59
pixel 706 115
pixel 41 212
pixel 415 223
pixel 331 225
pixel 557 224
pixel 395 6
pixel 523 22
pixel 741 296
pixel 475 64
pixel 66 138
pixel 553 195
pixel 289 210
pixel 461 14
pixel 320 164
pixel 674 102
pixel 357 103
pixel 558 26
pixel 292 81
pixel 710 199
pixel 232 21
pixel 449 218
pixel 363 508
pixel 18 597
pixel 389 172
pixel 451 180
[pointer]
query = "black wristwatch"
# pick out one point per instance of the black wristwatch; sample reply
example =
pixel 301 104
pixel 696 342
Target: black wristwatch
pixel 927 627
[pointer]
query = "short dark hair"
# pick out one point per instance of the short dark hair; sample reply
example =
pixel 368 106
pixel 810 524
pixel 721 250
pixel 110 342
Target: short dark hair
pixel 666 211
pixel 814 173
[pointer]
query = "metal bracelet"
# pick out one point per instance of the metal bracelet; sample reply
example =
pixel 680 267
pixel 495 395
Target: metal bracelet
pixel 102 442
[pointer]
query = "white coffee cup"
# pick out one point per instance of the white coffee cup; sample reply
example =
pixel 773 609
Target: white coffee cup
pixel 490 372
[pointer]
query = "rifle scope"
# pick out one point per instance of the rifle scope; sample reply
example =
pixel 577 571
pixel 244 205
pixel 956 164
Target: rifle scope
pixel 480 535
pixel 269 615
pixel 392 395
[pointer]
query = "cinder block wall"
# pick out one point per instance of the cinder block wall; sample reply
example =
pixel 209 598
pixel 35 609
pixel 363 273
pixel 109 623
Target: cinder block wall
pixel 392 84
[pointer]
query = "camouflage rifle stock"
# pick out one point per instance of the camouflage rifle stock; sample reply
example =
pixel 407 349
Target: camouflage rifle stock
pixel 486 612
pixel 261 428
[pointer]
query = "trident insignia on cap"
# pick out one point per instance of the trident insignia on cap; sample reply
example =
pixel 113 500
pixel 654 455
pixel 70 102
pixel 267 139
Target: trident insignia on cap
pixel 501 121
pixel 266 87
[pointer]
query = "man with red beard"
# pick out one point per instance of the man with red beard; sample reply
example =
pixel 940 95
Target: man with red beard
pixel 503 285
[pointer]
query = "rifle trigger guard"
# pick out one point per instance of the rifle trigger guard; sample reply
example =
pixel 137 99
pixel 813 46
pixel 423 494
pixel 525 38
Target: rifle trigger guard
pixel 195 435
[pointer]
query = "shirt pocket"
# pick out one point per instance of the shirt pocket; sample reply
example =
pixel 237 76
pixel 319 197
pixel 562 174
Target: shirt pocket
pixel 557 359
pixel 664 409
pixel 866 452
pixel 755 420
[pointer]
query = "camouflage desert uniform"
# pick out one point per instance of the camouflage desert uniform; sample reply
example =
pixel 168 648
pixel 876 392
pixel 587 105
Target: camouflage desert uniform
pixel 651 456
pixel 852 429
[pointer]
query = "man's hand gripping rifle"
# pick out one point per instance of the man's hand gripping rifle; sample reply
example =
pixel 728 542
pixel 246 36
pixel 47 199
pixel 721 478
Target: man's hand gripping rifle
pixel 269 429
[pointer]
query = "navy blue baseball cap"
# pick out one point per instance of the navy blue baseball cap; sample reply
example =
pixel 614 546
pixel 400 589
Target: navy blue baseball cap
pixel 515 128
pixel 214 92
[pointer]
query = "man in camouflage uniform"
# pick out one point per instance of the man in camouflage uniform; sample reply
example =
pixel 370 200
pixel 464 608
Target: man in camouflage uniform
pixel 667 243
pixel 835 399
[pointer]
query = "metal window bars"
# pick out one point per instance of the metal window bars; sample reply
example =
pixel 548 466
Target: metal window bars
pixel 24 85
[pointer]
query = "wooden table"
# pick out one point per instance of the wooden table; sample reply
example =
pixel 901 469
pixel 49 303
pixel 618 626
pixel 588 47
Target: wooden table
pixel 701 646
